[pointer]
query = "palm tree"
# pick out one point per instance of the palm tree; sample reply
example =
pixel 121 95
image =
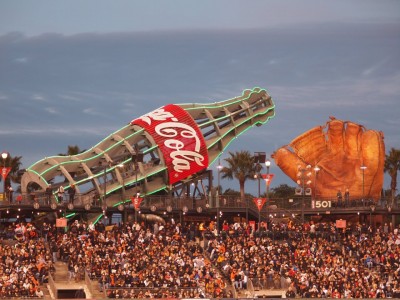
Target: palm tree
pixel 15 164
pixel 72 150
pixel 241 167
pixel 392 166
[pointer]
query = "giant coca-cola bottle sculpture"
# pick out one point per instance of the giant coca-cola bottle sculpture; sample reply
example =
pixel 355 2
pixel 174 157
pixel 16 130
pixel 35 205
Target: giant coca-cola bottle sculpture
pixel 155 151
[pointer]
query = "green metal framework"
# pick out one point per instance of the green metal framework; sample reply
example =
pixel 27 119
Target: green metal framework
pixel 107 167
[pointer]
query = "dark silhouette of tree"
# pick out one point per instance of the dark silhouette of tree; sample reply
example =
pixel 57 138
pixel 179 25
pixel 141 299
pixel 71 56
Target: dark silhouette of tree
pixel 240 165
pixel 15 163
pixel 282 191
pixel 392 167
pixel 15 173
pixel 230 192
pixel 72 150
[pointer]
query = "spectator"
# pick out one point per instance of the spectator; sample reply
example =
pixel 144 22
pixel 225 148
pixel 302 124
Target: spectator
pixel 347 197
pixel 48 192
pixel 60 193
pixel 339 198
pixel 290 293
pixel 39 293
pixel 71 193
pixel 10 192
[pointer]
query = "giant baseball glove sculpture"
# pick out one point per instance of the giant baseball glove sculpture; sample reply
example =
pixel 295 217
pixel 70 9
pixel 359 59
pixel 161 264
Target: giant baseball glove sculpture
pixel 347 155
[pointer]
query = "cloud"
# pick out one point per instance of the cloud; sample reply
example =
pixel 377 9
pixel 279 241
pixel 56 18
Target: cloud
pixel 91 111
pixel 375 67
pixel 38 97
pixel 70 97
pixel 51 110
pixel 21 60
pixel 56 131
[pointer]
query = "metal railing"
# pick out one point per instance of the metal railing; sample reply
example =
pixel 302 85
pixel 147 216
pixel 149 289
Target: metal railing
pixel 88 283
pixel 250 288
pixel 52 287
pixel 139 292
pixel 289 206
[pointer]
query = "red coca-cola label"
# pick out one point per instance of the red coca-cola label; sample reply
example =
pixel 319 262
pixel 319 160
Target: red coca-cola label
pixel 179 139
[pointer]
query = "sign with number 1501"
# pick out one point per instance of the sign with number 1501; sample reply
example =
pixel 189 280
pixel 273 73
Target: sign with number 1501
pixel 323 204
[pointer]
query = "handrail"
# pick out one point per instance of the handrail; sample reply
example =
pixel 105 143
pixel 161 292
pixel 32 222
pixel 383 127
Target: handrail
pixel 228 283
pixel 88 283
pixel 250 287
pixel 152 289
pixel 52 286
pixel 282 205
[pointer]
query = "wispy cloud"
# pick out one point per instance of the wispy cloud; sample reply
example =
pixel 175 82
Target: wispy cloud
pixel 91 111
pixel 346 93
pixel 69 97
pixel 369 71
pixel 38 97
pixel 21 60
pixel 56 130
pixel 51 110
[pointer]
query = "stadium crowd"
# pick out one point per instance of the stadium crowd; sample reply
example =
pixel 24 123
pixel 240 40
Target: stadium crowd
pixel 25 263
pixel 313 261
pixel 155 258
pixel 135 260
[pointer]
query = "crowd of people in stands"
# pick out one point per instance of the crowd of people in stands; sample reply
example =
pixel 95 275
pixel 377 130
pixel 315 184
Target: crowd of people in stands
pixel 25 263
pixel 131 260
pixel 313 261
pixel 156 260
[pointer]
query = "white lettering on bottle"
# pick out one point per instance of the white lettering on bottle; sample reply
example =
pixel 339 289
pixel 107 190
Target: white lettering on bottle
pixel 181 158
pixel 158 115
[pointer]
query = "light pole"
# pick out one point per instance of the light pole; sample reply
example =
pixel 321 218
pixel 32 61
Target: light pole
pixel 4 155
pixel 363 168
pixel 219 168
pixel 137 158
pixel 372 207
pixel 259 157
pixel 104 203
pixel 121 167
pixel 316 169
pixel 258 175
pixel 267 164
pixel 301 181
pixel 136 206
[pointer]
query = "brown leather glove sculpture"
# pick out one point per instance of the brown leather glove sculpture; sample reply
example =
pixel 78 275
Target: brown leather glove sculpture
pixel 348 157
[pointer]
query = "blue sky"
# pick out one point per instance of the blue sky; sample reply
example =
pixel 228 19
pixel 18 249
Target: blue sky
pixel 72 72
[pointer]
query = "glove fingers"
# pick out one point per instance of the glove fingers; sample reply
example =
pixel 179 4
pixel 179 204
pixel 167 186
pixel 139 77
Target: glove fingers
pixel 288 162
pixel 335 136
pixel 352 140
pixel 373 157
pixel 310 146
